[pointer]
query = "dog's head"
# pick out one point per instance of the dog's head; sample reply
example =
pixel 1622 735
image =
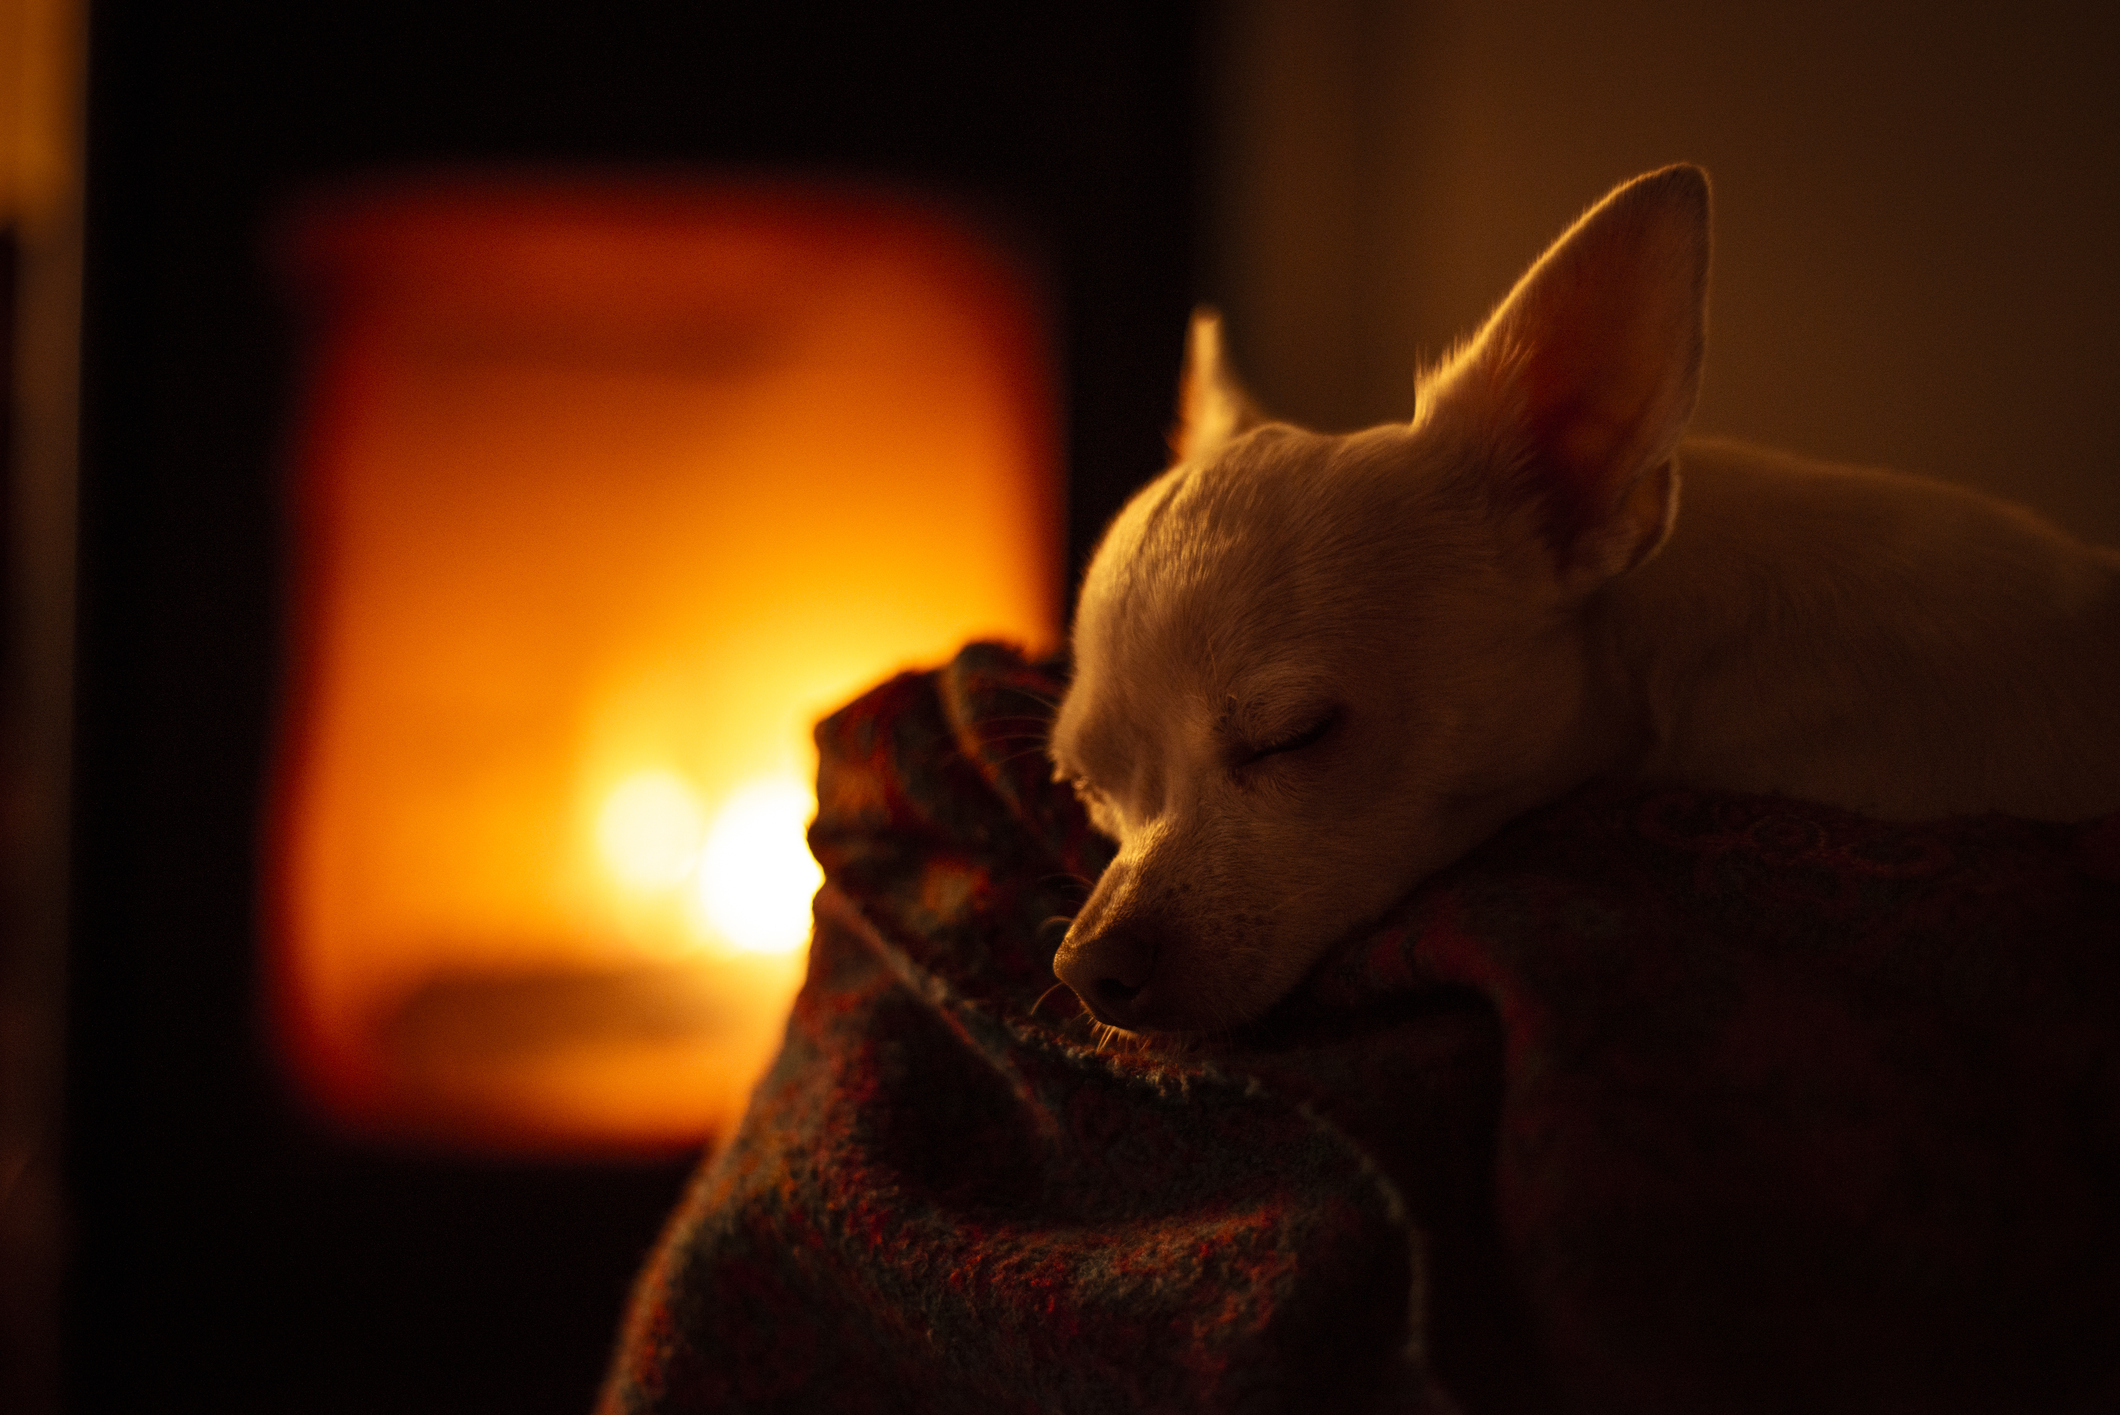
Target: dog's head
pixel 1310 670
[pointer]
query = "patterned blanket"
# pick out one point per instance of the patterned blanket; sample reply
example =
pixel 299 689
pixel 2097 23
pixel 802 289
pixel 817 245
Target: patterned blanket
pixel 1660 1101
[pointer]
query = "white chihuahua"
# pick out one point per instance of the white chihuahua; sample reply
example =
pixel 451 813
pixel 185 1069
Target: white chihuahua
pixel 1311 670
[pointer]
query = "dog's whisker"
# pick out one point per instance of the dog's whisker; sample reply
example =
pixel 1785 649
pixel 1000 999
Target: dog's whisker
pixel 1056 987
pixel 1009 726
pixel 1017 743
pixel 1074 884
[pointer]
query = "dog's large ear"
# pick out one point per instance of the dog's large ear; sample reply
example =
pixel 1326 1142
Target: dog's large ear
pixel 1586 376
pixel 1212 405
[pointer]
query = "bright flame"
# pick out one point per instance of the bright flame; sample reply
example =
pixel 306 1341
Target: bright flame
pixel 756 875
pixel 650 829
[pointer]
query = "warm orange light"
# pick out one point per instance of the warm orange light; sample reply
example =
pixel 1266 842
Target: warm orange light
pixel 606 496
pixel 756 874
pixel 650 829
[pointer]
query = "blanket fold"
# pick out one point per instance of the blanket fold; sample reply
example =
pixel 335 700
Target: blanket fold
pixel 1659 1101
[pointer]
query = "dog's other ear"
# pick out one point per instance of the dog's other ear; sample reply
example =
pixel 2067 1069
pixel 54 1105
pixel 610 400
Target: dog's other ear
pixel 1586 376
pixel 1212 405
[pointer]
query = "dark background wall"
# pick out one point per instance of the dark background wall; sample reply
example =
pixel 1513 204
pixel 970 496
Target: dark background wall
pixel 224 1254
pixel 1917 208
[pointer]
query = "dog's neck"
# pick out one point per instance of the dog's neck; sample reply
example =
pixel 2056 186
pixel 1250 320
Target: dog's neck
pixel 1801 617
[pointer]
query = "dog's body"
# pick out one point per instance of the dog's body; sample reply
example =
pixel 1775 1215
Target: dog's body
pixel 1311 670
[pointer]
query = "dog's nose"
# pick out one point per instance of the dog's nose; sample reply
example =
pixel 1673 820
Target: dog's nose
pixel 1110 972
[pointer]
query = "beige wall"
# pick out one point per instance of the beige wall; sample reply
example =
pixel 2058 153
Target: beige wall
pixel 1916 210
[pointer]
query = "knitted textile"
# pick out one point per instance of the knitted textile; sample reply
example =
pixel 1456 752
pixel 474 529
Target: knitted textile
pixel 1662 1101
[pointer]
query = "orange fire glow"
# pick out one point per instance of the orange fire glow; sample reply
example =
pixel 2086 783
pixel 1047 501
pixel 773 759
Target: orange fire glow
pixel 606 495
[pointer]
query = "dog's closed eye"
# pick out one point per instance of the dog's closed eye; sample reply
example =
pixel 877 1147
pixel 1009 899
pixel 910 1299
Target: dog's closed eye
pixel 1293 742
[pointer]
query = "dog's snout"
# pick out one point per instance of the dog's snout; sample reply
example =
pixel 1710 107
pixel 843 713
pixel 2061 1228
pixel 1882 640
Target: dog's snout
pixel 1110 971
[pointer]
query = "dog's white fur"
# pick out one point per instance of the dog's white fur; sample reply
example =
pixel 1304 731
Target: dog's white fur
pixel 1311 670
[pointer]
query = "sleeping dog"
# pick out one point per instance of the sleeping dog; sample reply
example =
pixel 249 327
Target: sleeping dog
pixel 1311 670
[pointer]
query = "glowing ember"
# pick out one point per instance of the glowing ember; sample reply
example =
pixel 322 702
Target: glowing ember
pixel 756 875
